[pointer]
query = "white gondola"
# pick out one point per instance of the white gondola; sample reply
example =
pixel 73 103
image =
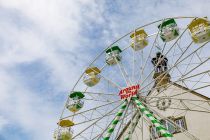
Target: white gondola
pixel 113 55
pixel 63 134
pixel 168 30
pixel 76 101
pixel 64 131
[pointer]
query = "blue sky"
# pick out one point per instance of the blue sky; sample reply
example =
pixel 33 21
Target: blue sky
pixel 46 44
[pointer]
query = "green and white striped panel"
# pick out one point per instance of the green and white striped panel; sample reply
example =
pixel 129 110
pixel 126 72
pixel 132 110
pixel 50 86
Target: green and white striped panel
pixel 115 121
pixel 164 132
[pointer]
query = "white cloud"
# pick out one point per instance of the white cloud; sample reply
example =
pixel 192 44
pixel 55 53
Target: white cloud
pixel 3 122
pixel 53 38
pixel 20 107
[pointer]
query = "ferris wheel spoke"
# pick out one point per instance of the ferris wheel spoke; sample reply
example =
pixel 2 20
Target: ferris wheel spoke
pixel 186 91
pixel 153 44
pixel 196 67
pixel 196 82
pixel 166 54
pixel 92 120
pixel 96 96
pixel 200 47
pixel 170 67
pixel 191 109
pixel 101 134
pixel 178 105
pixel 201 61
pixel 124 73
pixel 147 124
pixel 124 49
pixel 182 79
pixel 149 56
pixel 127 125
pixel 95 122
pixel 182 75
pixel 189 64
pixel 199 105
pixel 179 80
pixel 189 56
pixel 134 62
pixel 179 99
pixel 183 109
pixel 101 93
pixel 103 67
pixel 107 104
pixel 83 137
pixel 203 82
pixel 141 57
pixel 179 61
pixel 164 46
pixel 122 120
pixel 133 125
pixel 114 84
pixel 116 120
pixel 190 90
pixel 179 58
pixel 140 127
pixel 97 100
pixel 111 125
pixel 195 75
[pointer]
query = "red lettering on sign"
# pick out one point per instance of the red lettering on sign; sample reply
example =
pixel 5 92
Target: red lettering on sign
pixel 129 91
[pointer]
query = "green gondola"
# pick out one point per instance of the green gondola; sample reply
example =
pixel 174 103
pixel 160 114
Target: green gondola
pixel 168 30
pixel 113 55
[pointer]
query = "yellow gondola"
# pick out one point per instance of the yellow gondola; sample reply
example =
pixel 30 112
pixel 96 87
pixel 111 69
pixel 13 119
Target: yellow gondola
pixel 139 40
pixel 91 77
pixel 65 123
pixel 200 30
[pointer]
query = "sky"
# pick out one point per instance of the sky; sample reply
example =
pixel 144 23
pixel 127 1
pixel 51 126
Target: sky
pixel 45 45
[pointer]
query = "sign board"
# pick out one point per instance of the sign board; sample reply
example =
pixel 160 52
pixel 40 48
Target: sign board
pixel 129 91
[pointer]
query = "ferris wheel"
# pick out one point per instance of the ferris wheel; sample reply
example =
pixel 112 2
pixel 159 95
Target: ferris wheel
pixel 149 84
